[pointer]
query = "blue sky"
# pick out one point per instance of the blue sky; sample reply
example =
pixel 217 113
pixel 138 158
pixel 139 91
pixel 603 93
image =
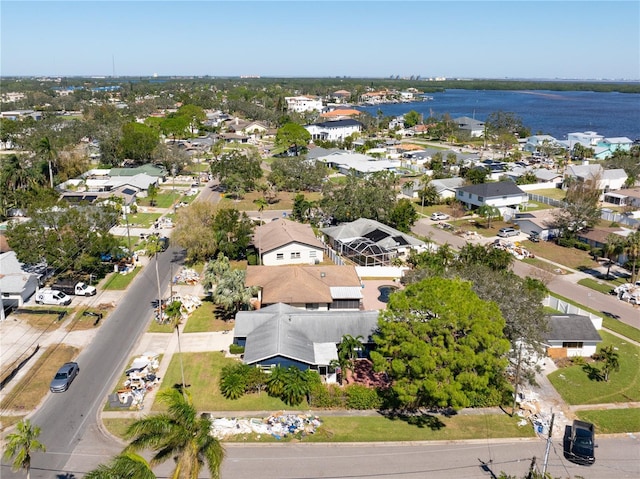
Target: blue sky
pixel 453 39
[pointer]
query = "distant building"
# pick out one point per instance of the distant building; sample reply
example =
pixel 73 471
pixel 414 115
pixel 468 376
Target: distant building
pixel 336 130
pixel 302 104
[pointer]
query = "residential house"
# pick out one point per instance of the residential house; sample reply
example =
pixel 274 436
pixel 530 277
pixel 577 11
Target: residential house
pixel 336 130
pixel 282 241
pixel 608 146
pixel 20 114
pixel 16 285
pixel 588 139
pixel 597 237
pixel 370 243
pixel 542 175
pixel 571 335
pixel 362 165
pixel 446 187
pixel 340 114
pixel 341 96
pixel 608 180
pixel 503 195
pixel 472 126
pixel 624 197
pixel 307 287
pixel 536 143
pixel 234 138
pixel 280 335
pixel 303 103
pixel 540 222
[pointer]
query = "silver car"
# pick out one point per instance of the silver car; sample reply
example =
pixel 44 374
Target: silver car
pixel 63 378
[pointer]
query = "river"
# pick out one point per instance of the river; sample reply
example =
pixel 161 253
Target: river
pixel 554 113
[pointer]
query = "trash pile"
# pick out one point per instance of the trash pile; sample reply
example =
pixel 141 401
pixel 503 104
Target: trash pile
pixel 531 413
pixel 187 276
pixel 188 304
pixel 628 292
pixel 514 248
pixel 141 377
pixel 278 425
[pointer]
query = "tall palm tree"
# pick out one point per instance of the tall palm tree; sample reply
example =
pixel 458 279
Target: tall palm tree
pixel 46 151
pixel 632 248
pixel 180 433
pixel 21 444
pixel 174 313
pixel 127 465
pixel 613 247
pixel 348 351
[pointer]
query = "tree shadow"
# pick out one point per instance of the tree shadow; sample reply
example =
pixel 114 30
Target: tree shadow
pixel 593 373
pixel 420 420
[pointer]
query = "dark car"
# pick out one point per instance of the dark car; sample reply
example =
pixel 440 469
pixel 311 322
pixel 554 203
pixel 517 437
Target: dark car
pixel 64 377
pixel 582 443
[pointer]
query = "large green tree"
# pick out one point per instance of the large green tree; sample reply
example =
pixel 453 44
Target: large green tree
pixel 232 232
pixel 21 444
pixel 297 174
pixel 180 433
pixel 581 210
pixel 292 135
pixel 442 346
pixel 238 171
pixel 65 237
pixel 138 142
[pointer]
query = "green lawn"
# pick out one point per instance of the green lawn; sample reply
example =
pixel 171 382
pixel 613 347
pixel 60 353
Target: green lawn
pixel 602 287
pixel 120 281
pixel 203 319
pixel 612 421
pixel 381 429
pixel 162 200
pixel 284 201
pixel 575 386
pixel 554 193
pixel 142 220
pixel 202 372
pixel 570 257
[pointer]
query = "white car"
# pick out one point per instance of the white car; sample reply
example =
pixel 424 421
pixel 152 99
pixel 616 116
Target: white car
pixel 437 216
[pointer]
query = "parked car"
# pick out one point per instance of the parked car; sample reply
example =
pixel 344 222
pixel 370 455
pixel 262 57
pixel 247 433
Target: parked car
pixel 582 444
pixel 507 232
pixel 437 216
pixel 52 296
pixel 64 377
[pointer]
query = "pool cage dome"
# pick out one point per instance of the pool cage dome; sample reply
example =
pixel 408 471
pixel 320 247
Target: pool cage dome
pixel 365 252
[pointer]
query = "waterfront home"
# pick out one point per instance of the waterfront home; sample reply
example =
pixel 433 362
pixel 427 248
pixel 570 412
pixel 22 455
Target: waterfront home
pixel 608 146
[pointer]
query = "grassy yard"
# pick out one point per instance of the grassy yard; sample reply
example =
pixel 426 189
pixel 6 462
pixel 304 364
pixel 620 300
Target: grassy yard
pixel 284 201
pixel 612 421
pixel 44 322
pixel 120 281
pixel 380 429
pixel 203 319
pixel 34 386
pixel 142 220
pixel 554 193
pixel 164 199
pixel 575 386
pixel 543 265
pixel 570 257
pixel 202 372
pixel 88 318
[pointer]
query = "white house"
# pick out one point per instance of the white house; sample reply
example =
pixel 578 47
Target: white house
pixel 571 335
pixel 286 242
pixel 588 139
pixel 541 222
pixel 346 162
pixel 303 103
pixel 537 142
pixel 16 285
pixel 608 180
pixel 502 195
pixel 336 130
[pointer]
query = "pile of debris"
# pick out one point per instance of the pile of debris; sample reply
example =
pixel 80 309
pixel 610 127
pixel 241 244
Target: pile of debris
pixel 628 292
pixel 187 276
pixel 188 304
pixel 141 377
pixel 514 248
pixel 278 425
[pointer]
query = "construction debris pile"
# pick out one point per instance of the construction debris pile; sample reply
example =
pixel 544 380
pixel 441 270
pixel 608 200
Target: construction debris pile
pixel 514 248
pixel 141 377
pixel 531 412
pixel 278 425
pixel 187 276
pixel 628 292
pixel 188 304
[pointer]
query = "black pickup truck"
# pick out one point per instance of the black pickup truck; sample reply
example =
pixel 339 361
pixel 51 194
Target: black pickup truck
pixel 581 447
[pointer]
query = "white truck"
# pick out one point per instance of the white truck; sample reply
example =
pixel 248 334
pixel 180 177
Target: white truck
pixel 76 288
pixel 52 296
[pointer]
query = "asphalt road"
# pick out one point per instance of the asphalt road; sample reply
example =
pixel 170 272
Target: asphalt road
pixel 67 418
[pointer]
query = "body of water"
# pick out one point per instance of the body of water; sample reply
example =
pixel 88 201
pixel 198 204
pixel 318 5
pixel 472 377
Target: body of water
pixel 552 113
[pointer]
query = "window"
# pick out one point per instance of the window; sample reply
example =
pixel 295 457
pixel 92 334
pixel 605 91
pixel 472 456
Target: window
pixel 295 255
pixel 280 256
pixel 572 345
pixel 480 198
pixel 312 253
pixel 312 306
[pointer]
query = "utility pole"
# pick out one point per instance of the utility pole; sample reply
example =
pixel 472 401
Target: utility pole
pixel 546 452
pixel 517 380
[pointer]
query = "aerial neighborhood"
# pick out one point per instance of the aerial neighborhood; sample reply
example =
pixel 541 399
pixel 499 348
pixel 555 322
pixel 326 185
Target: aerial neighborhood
pixel 328 258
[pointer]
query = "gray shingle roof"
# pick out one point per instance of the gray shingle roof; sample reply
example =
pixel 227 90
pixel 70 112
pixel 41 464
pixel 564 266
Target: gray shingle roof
pixel 572 327
pixel 490 190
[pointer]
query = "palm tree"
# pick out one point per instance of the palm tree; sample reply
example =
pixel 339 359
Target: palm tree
pixel 231 294
pixel 348 351
pixel 180 433
pixel 632 248
pixel 174 313
pixel 488 212
pixel 276 381
pixel 296 386
pixel 612 249
pixel 20 445
pixel 45 149
pixel 127 465
pixel 214 270
pixel 609 357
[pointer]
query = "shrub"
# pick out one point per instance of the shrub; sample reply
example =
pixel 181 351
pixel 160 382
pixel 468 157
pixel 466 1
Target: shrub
pixel 362 397
pixel 236 349
pixel 566 242
pixel 326 396
pixel 582 246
